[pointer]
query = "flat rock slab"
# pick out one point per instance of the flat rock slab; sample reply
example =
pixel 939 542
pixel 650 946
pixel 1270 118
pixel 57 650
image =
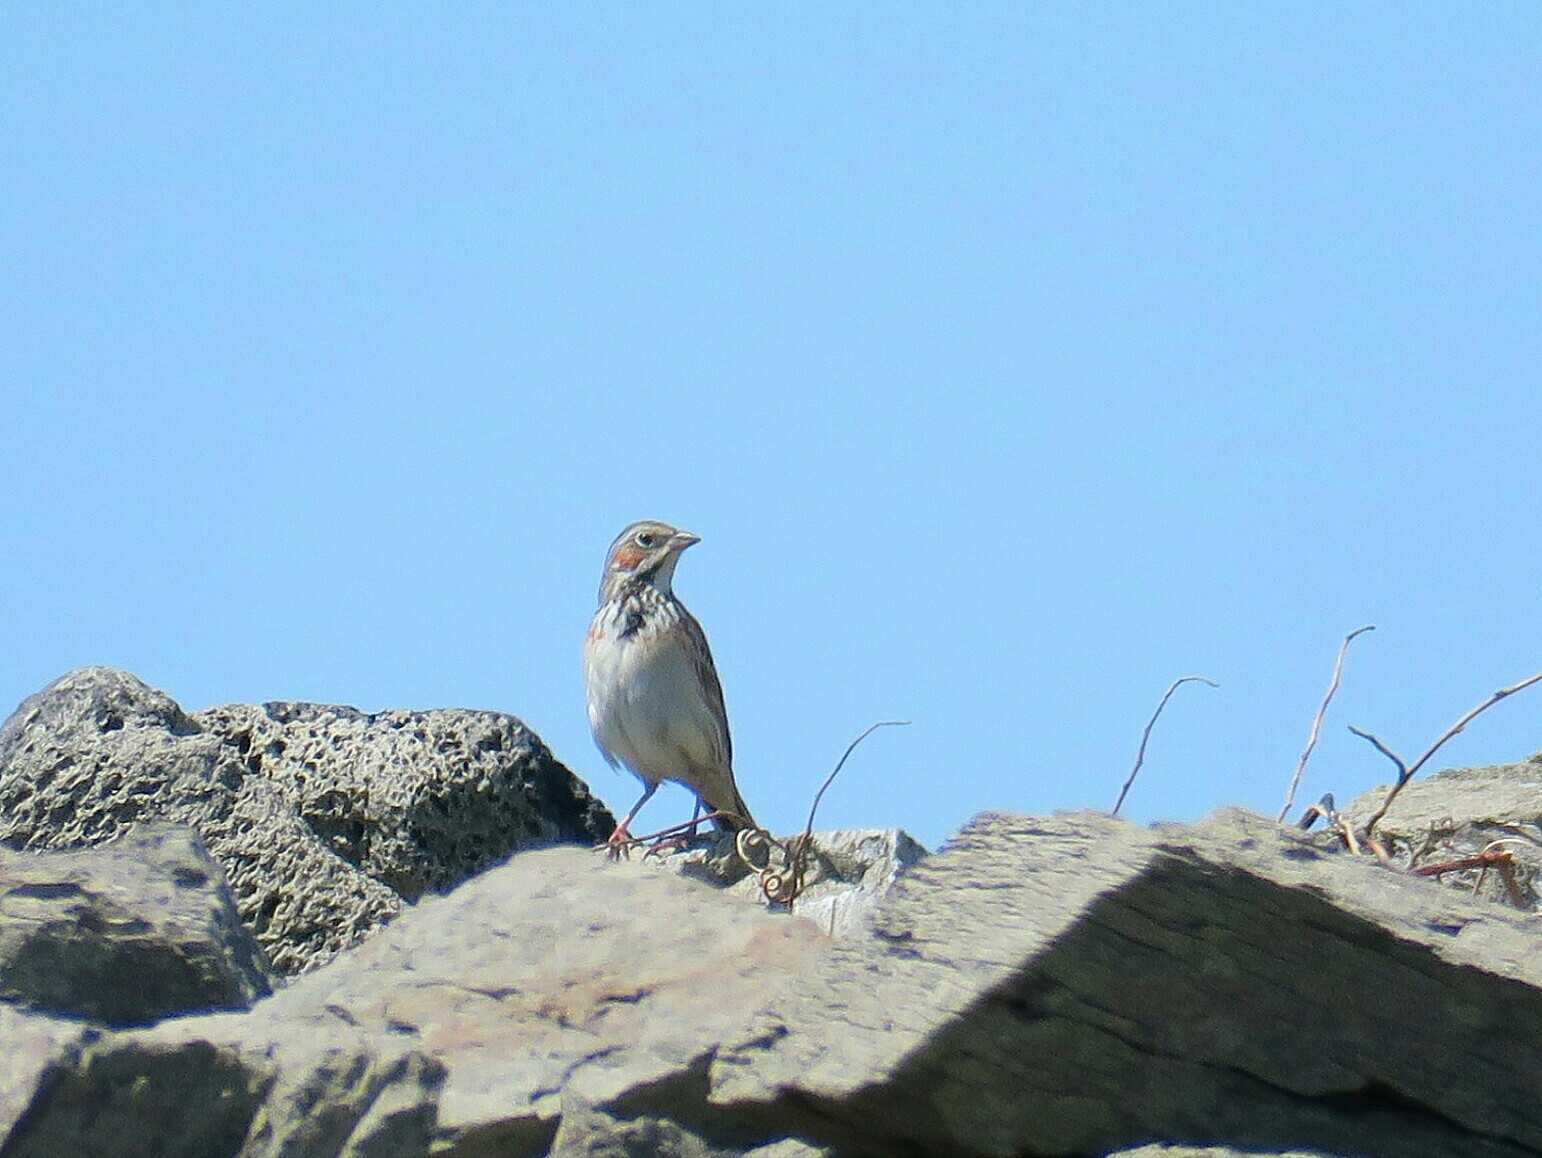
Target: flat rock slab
pixel 324 819
pixel 126 933
pixel 1077 985
pixel 1071 985
pixel 464 1027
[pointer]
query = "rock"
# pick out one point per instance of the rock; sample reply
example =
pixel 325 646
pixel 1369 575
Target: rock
pixel 323 819
pixel 1459 812
pixel 36 1047
pixel 127 933
pixel 218 1085
pixel 849 872
pixel 1071 985
pixel 584 1132
pixel 1163 1150
pixel 1077 985
pixel 419 800
pixel 473 1019
pixel 135 1101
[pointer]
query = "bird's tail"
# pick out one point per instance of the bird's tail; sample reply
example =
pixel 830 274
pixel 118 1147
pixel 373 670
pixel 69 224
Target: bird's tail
pixel 739 812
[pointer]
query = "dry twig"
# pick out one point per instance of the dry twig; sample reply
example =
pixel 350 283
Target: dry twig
pixel 1380 853
pixel 1311 742
pixel 781 885
pixel 1512 887
pixel 1406 772
pixel 1140 755
pixel 1347 831
pixel 1431 839
pixel 1322 810
pixel 1477 860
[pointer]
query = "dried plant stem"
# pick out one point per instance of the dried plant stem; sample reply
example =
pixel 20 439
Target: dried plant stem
pixel 1478 860
pixel 1380 853
pixel 1311 742
pixel 1347 831
pixel 1140 755
pixel 806 841
pixel 780 883
pixel 808 829
pixel 1406 772
pixel 1322 810
pixel 1512 886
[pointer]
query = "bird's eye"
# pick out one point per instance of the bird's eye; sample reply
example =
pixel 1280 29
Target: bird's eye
pixel 645 539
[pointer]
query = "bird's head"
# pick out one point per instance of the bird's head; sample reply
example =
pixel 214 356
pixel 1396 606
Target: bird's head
pixel 648 551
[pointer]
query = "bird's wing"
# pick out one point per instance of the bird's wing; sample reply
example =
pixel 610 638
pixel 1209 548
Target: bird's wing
pixel 706 675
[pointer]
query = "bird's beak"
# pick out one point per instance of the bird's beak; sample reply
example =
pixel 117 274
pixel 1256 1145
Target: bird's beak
pixel 680 540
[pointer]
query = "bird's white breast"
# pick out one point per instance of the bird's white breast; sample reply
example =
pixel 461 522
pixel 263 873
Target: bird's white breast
pixel 645 703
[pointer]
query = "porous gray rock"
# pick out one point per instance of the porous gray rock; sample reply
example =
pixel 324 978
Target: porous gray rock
pixel 419 801
pixel 1458 813
pixel 301 805
pixel 128 933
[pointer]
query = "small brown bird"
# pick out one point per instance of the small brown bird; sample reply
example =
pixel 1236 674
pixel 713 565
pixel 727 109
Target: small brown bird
pixel 655 704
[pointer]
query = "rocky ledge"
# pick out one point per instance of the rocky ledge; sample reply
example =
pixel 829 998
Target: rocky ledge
pixel 1071 985
pixel 325 820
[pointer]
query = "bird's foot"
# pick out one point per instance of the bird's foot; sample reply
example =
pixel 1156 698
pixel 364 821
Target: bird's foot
pixel 665 844
pixel 620 843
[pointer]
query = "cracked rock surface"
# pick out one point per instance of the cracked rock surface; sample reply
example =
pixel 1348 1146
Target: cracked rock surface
pixel 1071 985
pixel 324 819
pixel 1076 985
pixel 465 1026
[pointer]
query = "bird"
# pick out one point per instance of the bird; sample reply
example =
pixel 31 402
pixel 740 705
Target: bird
pixel 655 703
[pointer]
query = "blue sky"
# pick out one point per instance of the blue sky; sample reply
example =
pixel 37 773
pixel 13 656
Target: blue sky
pixel 1010 364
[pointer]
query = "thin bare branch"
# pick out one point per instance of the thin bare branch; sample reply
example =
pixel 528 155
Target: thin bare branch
pixel 808 829
pixel 1347 831
pixel 1311 742
pixel 1381 854
pixel 1478 860
pixel 780 883
pixel 1431 839
pixel 1512 886
pixel 1407 773
pixel 1140 755
pixel 785 888
pixel 1402 769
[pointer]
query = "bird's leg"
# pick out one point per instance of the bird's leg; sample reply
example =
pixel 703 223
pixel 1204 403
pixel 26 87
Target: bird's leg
pixel 621 837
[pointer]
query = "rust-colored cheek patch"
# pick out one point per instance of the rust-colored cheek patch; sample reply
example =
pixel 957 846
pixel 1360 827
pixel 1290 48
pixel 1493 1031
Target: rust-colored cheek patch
pixel 627 557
